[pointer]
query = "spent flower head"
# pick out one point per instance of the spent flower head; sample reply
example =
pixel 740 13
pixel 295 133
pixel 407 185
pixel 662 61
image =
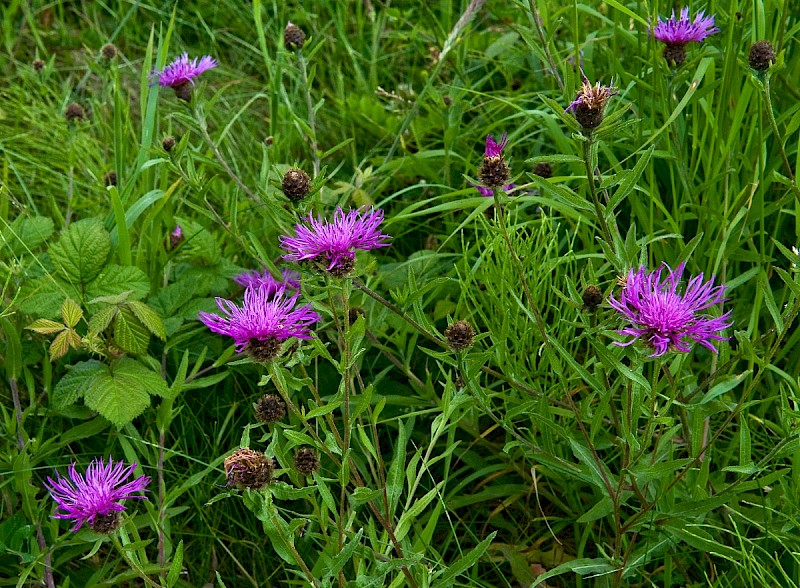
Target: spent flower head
pixel 95 498
pixel 675 33
pixel 665 318
pixel 263 322
pixel 332 244
pixel 590 104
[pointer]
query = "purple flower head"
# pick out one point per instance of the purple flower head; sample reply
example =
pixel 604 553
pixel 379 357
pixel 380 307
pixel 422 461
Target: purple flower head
pixel 183 70
pixel 332 244
pixel 494 149
pixel 683 30
pixel 95 498
pixel 488 193
pixel 263 322
pixel 264 279
pixel 177 233
pixel 663 317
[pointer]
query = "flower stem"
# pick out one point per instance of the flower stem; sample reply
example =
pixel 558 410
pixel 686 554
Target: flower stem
pixel 587 160
pixel 779 139
pixel 311 115
pixel 133 563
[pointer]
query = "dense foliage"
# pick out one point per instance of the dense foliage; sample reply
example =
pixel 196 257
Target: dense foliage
pixel 279 274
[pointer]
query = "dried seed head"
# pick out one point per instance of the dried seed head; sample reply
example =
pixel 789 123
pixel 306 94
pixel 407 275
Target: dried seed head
pixel 168 143
pixel 263 350
pixel 183 91
pixel 306 461
pixel 592 297
pixel 38 65
pixel 75 112
pixel 590 104
pixel 106 524
pixel 110 179
pixel 109 51
pixel 494 171
pixel 246 468
pixel 296 184
pixel 675 54
pixel 459 335
pixel 293 37
pixel 268 140
pixel 762 55
pixel 543 170
pixel 270 409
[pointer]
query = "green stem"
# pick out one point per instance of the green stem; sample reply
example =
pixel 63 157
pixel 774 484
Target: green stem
pixel 134 564
pixel 779 139
pixel 598 209
pixel 311 115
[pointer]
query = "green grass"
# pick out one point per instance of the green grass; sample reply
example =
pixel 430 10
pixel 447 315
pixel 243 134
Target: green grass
pixel 545 451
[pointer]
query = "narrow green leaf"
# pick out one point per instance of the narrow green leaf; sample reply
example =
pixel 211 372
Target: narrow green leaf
pixel 176 566
pixel 464 563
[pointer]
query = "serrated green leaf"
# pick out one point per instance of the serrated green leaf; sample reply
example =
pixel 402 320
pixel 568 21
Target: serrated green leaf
pixel 116 279
pixel 27 233
pixel 149 318
pixel 71 312
pixel 45 327
pixel 59 346
pixel 131 335
pixel 75 382
pixel 44 296
pixel 122 393
pixel 101 319
pixel 82 250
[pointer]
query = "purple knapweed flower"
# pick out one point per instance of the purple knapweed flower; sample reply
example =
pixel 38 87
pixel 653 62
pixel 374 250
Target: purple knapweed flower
pixel 493 148
pixel 663 317
pixel 676 33
pixel 332 244
pixel 590 104
pixel 95 498
pixel 176 237
pixel 180 74
pixel 494 171
pixel 488 193
pixel 290 279
pixel 183 70
pixel 263 322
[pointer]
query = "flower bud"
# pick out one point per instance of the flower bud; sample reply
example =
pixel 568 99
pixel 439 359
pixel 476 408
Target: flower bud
pixel 296 184
pixel 246 468
pixel 459 335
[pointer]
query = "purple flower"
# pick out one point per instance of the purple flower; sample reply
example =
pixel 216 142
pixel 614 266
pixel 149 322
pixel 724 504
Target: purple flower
pixel 264 279
pixel 183 71
pixel 494 149
pixel 333 244
pixel 263 322
pixel 683 30
pixel 488 193
pixel 665 318
pixel 95 498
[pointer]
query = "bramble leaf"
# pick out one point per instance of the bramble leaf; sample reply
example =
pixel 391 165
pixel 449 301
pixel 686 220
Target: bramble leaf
pixel 82 250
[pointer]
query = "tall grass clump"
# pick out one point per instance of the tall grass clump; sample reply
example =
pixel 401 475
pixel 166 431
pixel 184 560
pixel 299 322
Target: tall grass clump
pixel 400 294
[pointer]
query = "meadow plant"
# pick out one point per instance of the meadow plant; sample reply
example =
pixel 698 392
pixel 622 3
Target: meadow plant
pixel 520 391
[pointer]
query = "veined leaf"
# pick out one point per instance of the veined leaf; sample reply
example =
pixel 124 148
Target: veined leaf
pixel 82 250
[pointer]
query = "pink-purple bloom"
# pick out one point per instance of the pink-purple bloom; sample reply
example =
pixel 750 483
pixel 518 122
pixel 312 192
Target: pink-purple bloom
pixel 488 193
pixel 683 30
pixel 264 319
pixel 183 70
pixel 666 319
pixel 493 148
pixel 263 278
pixel 332 244
pixel 95 498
